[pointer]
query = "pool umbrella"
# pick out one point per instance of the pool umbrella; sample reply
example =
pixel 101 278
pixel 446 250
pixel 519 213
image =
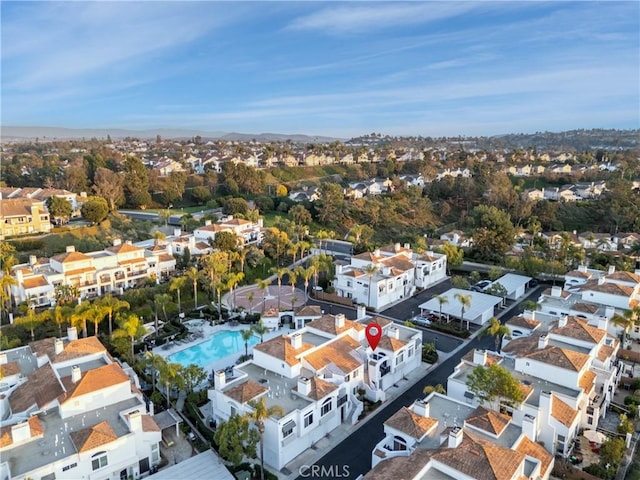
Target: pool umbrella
pixel 594 436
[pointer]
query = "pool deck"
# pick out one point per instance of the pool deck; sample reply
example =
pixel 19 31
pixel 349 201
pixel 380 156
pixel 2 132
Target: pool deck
pixel 207 332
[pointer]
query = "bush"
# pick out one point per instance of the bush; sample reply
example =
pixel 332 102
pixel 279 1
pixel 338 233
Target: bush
pixel 600 471
pixel 631 400
pixel 451 329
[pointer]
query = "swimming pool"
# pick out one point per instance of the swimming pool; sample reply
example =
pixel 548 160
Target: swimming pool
pixel 220 345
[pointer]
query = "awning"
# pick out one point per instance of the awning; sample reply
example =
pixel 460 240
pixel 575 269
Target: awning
pixel 290 425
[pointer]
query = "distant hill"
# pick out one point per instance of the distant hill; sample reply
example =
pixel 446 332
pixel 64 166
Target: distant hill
pixel 60 133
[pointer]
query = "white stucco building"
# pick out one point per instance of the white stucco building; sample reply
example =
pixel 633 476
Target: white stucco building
pixel 315 374
pixel 72 412
pixel 378 279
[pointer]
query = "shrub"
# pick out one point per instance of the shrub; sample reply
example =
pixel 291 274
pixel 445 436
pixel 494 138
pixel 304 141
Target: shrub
pixel 451 329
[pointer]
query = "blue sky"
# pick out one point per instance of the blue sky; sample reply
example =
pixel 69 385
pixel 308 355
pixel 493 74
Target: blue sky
pixel 326 68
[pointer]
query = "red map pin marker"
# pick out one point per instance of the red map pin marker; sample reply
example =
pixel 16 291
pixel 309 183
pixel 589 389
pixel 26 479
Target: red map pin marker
pixel 374 334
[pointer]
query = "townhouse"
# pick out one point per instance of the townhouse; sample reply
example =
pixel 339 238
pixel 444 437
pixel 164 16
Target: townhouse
pixel 72 412
pixel 248 232
pixel 113 269
pixel 387 275
pixel 318 375
pixel 440 437
pixel 19 216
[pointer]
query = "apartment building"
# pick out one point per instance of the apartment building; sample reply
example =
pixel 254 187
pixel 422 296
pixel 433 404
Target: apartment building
pixel 113 269
pixel 248 232
pixel 440 437
pixel 389 274
pixel 69 411
pixel 317 375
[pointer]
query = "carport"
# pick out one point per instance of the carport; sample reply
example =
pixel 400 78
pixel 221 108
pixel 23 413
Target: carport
pixel 167 419
pixel 482 306
pixel 515 285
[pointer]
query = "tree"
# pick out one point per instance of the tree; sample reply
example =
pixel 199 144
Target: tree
pixel 225 241
pixel 176 285
pixel 132 328
pixel 494 233
pixel 171 374
pixel 260 329
pixel 236 439
pixel 95 209
pixel 279 272
pixel 193 375
pixel 495 383
pixel 200 194
pixel 110 186
pixel 497 290
pixel 260 413
pixel 300 215
pixel 136 183
pixel 66 294
pixel 370 270
pixel 193 275
pixel 612 451
pixel 30 319
pixel 455 255
pixel 498 331
pixel 247 333
pixel 263 285
pixel 494 273
pixel 112 305
pixel 235 206
pixel 465 303
pixel 96 314
pixel 442 300
pixel 59 208
pixel 625 426
pixel 458 281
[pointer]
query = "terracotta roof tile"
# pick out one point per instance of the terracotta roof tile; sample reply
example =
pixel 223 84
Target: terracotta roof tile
pixel 578 274
pixel 246 391
pixel 604 352
pixel 401 468
pixel 320 388
pixel 42 387
pixel 35 428
pixel 93 437
pixel 124 248
pixel 585 307
pixel 560 357
pixel 537 451
pixel 488 420
pixel 391 344
pixel 94 380
pixel 281 348
pixel 586 381
pixel 149 424
pixel 68 257
pixel 327 323
pixel 401 264
pixel 309 311
pixel 624 277
pixel 10 368
pixel 17 207
pixel 80 348
pixel 383 322
pixel 607 287
pixel 562 412
pixel 34 282
pixel 523 322
pixel 580 330
pixel 414 425
pixel 339 353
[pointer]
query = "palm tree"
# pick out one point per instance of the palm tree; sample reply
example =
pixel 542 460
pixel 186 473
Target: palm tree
pixel 498 331
pixel 442 300
pixel 6 282
pixel 280 272
pixel 96 314
pixel 112 305
pixel 79 317
pixel 260 329
pixel 626 320
pixel 242 257
pixel 247 333
pixel 158 237
pixel 294 273
pixel 303 247
pixel 194 275
pixel 250 297
pixel 30 318
pixel 176 285
pixel 161 300
pixel 307 274
pixel 233 279
pixel 293 251
pixel 263 285
pixel 260 413
pixel 465 303
pixel 170 373
pixel 59 315
pixel 370 270
pixel 132 328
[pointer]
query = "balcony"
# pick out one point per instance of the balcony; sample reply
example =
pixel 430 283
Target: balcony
pixel 384 370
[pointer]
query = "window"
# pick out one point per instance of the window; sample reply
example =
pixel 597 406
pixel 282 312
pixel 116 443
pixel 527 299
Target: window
pixel 69 467
pixel 400 359
pixel 349 284
pixel 347 377
pixel 99 460
pixel 232 410
pixel 287 428
pixel 326 407
pixel 155 453
pixel 308 419
pixel 399 443
pixel 410 352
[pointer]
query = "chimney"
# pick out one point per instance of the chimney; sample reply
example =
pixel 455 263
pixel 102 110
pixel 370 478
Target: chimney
pixel 562 322
pixel 455 437
pixel 3 359
pixel 296 341
pixel 71 248
pixel 479 357
pixel 601 280
pixel 72 333
pixel 612 269
pixel 20 432
pixel 421 408
pixel 393 332
pixel 219 380
pixel 603 323
pixel 117 241
pixel 19 276
pixel 396 247
pixel 76 374
pixel 129 242
pixel 407 246
pixel 207 223
pixel 582 268
pixel 609 312
pixel 556 291
pixel 135 421
pixel 361 312
pixel 376 252
pixel 529 427
pixel 59 346
pixel 544 402
pixel 32 260
pixel 304 385
pixel 177 232
pixel 429 253
pixel 340 320
pixel 543 341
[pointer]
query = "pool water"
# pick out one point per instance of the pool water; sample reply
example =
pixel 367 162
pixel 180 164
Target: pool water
pixel 220 345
